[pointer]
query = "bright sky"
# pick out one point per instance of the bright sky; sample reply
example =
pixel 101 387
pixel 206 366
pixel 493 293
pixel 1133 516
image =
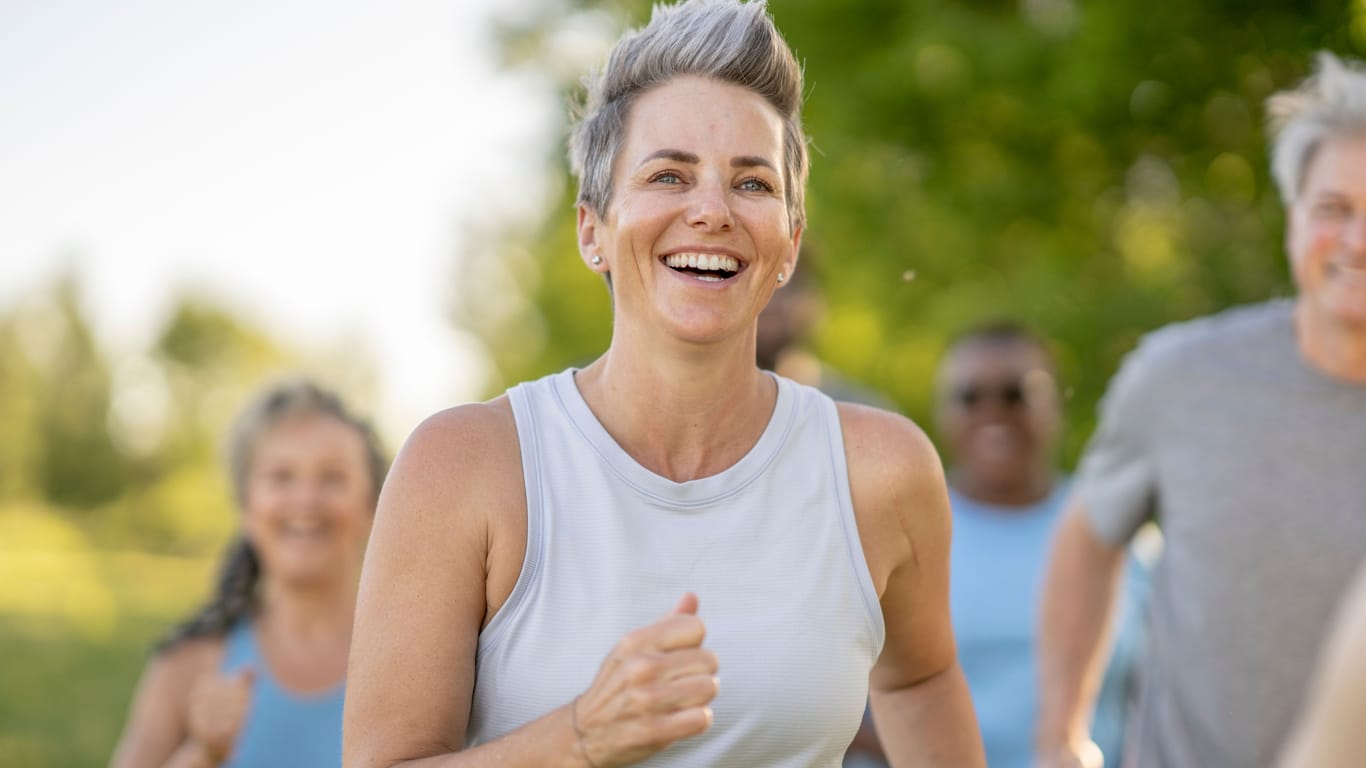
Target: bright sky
pixel 307 163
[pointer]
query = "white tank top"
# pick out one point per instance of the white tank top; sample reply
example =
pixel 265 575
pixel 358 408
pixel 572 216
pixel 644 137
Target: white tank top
pixel 770 547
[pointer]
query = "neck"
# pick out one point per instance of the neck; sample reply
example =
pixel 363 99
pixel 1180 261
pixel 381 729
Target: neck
pixel 683 412
pixel 1017 493
pixel 1332 348
pixel 324 611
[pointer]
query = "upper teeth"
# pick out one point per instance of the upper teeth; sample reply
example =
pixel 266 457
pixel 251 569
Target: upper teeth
pixel 707 261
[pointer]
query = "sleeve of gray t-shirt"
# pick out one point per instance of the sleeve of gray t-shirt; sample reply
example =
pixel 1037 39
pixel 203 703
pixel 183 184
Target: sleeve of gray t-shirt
pixel 1116 478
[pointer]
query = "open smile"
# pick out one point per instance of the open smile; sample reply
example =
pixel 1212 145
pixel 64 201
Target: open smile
pixel 707 267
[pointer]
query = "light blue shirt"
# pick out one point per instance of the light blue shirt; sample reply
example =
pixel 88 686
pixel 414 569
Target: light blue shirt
pixel 283 728
pixel 998 562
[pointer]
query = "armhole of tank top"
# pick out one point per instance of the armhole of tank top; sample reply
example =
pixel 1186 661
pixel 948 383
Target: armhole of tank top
pixel 239 647
pixel 849 521
pixel 524 415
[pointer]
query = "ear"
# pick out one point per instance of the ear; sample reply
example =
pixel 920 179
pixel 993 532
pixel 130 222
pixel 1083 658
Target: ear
pixel 588 240
pixel 1289 243
pixel 790 266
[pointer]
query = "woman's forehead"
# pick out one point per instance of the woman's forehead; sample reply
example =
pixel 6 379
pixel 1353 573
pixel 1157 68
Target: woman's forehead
pixel 701 116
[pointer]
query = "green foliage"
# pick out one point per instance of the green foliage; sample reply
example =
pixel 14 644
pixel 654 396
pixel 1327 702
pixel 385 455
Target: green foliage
pixel 78 463
pixel 1093 170
pixel 87 432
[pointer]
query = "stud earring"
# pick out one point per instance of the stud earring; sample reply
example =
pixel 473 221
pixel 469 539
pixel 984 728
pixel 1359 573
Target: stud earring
pixel 781 278
pixel 597 259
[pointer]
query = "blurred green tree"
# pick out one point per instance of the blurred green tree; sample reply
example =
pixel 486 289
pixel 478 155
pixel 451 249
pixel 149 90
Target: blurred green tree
pixel 78 464
pixel 1094 170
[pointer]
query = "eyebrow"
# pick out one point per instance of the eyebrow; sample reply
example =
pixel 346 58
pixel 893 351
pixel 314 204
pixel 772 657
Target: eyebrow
pixel 681 156
pixel 676 155
pixel 752 161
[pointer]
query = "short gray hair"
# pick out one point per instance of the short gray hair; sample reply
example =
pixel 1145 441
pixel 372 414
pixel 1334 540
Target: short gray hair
pixel 284 400
pixel 1330 102
pixel 731 41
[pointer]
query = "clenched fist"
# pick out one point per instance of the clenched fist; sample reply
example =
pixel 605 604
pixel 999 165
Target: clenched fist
pixel 653 689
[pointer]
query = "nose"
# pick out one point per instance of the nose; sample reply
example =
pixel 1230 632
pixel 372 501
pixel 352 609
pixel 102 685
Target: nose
pixel 1354 234
pixel 710 209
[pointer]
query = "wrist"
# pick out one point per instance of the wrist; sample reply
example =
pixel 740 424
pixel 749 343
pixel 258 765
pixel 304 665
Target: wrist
pixel 579 750
pixel 1077 750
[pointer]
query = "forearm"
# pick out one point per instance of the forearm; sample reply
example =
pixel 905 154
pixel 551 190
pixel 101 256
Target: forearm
pixel 931 723
pixel 1078 598
pixel 549 742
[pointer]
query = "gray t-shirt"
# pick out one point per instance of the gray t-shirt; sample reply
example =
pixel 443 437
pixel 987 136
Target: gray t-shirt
pixel 1254 463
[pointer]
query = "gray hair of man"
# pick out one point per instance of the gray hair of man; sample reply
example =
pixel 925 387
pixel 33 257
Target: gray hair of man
pixel 725 40
pixel 1330 102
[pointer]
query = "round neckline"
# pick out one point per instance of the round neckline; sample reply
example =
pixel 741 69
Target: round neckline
pixel 690 493
pixel 265 673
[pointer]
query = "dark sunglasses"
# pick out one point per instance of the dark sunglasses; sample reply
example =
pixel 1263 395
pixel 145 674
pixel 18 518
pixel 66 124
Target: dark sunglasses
pixel 1010 394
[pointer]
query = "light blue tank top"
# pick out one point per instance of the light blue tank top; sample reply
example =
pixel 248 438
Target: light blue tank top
pixel 770 547
pixel 282 729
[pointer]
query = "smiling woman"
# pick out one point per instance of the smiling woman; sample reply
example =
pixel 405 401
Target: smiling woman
pixel 256 676
pixel 515 602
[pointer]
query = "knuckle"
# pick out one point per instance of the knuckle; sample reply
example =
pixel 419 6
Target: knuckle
pixel 641 669
pixel 709 661
pixel 639 699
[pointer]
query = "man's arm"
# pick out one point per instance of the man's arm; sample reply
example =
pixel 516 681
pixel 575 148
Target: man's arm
pixel 1079 592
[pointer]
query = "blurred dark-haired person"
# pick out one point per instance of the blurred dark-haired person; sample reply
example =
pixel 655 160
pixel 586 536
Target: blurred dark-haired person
pixel 783 340
pixel 1244 434
pixel 998 413
pixel 256 676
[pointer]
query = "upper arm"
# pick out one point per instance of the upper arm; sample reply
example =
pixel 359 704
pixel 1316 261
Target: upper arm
pixel 157 718
pixel 423 593
pixel 902 506
pixel 1115 483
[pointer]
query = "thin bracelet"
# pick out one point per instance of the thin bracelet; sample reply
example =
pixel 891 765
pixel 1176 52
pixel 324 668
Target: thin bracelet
pixel 574 721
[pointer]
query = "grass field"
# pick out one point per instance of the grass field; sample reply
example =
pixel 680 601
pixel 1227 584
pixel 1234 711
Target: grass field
pixel 76 620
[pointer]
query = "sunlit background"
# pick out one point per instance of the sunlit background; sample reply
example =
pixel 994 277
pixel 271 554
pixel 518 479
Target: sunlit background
pixel 197 196
pixel 303 165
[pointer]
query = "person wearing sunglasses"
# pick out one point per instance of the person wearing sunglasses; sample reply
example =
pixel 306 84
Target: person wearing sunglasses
pixel 999 420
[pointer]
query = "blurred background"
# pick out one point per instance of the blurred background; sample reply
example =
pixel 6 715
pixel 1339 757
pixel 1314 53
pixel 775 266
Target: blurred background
pixel 197 196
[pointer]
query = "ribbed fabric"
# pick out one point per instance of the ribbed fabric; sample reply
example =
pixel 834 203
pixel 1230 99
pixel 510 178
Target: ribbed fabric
pixel 283 728
pixel 769 546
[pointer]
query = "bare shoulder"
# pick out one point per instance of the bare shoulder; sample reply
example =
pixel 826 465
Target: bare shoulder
pixel 445 551
pixel 887 446
pixel 897 484
pixel 457 482
pixel 476 434
pixel 179 666
pixel 466 452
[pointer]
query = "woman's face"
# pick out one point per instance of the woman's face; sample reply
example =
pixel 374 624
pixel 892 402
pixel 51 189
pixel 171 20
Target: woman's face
pixel 698 228
pixel 309 500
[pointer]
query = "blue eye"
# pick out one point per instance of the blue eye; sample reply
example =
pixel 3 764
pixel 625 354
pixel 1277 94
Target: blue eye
pixel 667 177
pixel 754 184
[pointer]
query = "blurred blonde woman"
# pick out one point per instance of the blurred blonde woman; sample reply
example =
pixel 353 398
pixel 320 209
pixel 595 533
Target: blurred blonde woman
pixel 669 557
pixel 256 676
